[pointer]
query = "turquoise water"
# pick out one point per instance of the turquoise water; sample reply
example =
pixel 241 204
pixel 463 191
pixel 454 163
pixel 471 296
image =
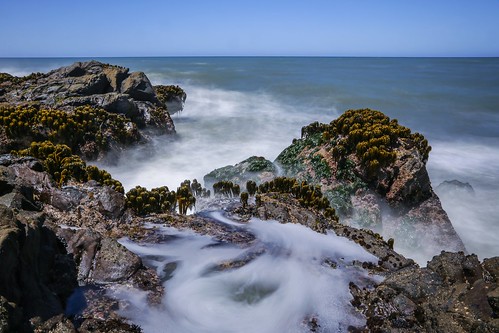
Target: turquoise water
pixel 238 107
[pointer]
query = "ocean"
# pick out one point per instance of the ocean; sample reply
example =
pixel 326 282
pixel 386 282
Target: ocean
pixel 242 106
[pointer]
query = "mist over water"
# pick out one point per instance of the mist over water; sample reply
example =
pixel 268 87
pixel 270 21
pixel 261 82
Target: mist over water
pixel 238 107
pixel 279 290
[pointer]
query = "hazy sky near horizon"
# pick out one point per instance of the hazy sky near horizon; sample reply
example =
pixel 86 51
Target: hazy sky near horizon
pixel 61 28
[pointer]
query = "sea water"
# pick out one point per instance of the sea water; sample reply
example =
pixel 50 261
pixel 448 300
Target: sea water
pixel 242 106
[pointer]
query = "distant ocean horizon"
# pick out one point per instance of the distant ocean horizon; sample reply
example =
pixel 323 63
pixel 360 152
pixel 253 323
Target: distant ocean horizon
pixel 239 106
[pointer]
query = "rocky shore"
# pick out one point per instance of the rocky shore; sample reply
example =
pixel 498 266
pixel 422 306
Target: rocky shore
pixel 59 249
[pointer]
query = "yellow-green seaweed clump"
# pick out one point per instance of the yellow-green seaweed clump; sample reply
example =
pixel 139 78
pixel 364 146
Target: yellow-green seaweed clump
pixel 372 136
pixel 157 200
pixel 308 196
pixel 74 129
pixel 59 161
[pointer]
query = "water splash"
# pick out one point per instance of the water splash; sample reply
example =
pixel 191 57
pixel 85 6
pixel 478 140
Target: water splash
pixel 275 290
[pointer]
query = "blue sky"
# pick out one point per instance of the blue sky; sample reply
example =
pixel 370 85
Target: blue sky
pixel 72 28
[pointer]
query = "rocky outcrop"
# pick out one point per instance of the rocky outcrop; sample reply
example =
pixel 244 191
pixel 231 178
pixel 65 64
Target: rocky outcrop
pixel 373 171
pixel 455 189
pixel 105 86
pixel 454 293
pixel 255 168
pixel 90 106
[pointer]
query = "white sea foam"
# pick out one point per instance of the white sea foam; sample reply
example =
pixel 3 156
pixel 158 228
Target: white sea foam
pixel 217 128
pixel 475 217
pixel 273 293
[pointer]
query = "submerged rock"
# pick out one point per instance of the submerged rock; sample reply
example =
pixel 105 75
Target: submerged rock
pixel 455 188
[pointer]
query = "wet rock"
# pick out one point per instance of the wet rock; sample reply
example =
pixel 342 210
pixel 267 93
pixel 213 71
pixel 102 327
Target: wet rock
pixel 391 193
pixel 104 326
pixel 455 188
pixel 114 262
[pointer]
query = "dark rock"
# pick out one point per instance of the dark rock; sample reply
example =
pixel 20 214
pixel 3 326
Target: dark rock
pixel 32 259
pixel 491 266
pixel 455 188
pixel 10 316
pixel 456 267
pixel 138 86
pixel 114 262
pixel 493 299
pixel 450 295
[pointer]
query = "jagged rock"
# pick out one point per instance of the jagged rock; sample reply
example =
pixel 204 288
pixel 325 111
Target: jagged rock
pixel 254 168
pixel 96 84
pixel 392 196
pixel 114 262
pixel 449 295
pixel 285 209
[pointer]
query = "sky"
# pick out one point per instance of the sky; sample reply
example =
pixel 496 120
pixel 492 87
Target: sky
pixel 108 28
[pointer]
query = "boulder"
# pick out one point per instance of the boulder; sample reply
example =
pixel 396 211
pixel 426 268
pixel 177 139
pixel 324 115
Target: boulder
pixel 255 168
pixel 373 171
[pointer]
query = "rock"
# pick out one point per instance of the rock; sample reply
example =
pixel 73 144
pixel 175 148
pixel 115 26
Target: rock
pixel 493 298
pixel 138 86
pixel 457 267
pixel 254 168
pixel 455 188
pixel 114 262
pixel 36 272
pixel 10 316
pixel 373 171
pixel 491 266
pixel 450 295
pixel 173 97
pixel 98 85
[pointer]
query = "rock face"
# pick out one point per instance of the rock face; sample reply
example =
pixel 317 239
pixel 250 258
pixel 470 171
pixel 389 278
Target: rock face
pixel 373 171
pixel 54 239
pixel 454 293
pixel 37 274
pixel 99 85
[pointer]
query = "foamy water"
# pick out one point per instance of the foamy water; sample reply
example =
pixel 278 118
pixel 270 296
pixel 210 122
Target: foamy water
pixel 278 291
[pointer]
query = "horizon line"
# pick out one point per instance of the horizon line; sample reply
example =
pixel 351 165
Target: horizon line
pixel 245 56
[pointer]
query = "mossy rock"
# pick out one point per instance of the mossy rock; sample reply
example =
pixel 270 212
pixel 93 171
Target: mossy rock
pixel 255 168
